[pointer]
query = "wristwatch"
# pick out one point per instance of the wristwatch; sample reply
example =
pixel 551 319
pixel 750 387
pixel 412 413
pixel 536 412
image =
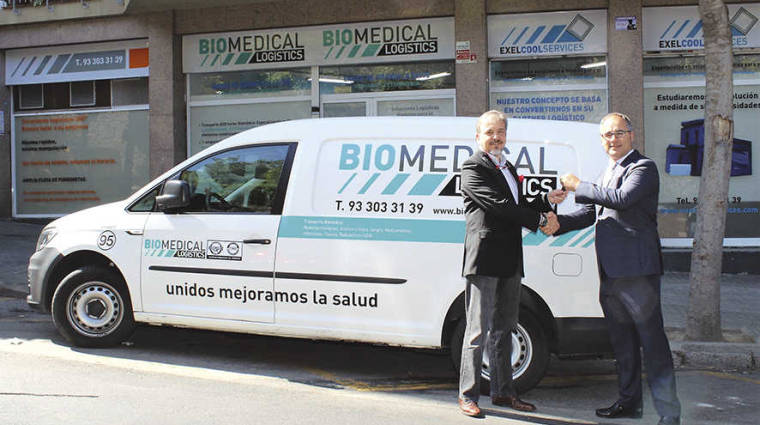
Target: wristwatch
pixel 542 220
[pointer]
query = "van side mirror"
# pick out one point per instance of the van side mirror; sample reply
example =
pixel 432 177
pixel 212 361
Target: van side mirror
pixel 174 195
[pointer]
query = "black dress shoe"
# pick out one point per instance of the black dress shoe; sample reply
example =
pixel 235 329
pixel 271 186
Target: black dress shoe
pixel 670 420
pixel 617 410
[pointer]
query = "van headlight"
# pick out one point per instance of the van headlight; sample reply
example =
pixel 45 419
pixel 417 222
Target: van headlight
pixel 46 236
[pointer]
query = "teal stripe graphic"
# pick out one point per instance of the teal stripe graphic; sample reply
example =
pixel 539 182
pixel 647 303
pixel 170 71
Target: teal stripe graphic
pixel 340 52
pixel 328 52
pixel 60 61
pixel 29 66
pixel 534 239
pixel 427 184
pixel 216 58
pixel 353 51
pixel 160 252
pixel 395 184
pixel 589 243
pixel 228 58
pixel 563 239
pixel 204 60
pixel 243 58
pixel 582 237
pixel 347 182
pixel 367 185
pixel 376 229
pixel 371 50
pixel 18 66
pixel 45 61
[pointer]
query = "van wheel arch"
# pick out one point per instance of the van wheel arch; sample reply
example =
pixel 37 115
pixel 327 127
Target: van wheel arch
pixel 67 265
pixel 92 308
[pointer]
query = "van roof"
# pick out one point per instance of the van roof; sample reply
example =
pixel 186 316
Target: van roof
pixel 442 128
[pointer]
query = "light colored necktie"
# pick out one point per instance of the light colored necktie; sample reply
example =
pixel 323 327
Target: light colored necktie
pixel 607 179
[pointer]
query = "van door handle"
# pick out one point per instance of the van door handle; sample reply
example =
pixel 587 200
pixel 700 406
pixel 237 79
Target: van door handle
pixel 258 241
pixel 135 232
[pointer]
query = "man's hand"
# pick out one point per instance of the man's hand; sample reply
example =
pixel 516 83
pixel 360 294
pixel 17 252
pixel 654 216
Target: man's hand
pixel 556 196
pixel 569 182
pixel 552 225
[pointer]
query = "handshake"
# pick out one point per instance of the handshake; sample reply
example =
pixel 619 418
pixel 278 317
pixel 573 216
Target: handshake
pixel 556 196
pixel 552 224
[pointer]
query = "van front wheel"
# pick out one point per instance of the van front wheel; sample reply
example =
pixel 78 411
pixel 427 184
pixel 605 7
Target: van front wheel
pixel 91 308
pixel 530 353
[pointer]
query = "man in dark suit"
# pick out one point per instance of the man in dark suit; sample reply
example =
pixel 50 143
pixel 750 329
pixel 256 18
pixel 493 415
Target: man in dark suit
pixel 495 212
pixel 630 264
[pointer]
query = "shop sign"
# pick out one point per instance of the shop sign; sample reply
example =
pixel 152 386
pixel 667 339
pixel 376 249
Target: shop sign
pixel 547 34
pixel 680 28
pixel 78 62
pixel 374 42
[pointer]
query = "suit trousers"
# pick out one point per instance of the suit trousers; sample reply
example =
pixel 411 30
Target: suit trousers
pixel 633 314
pixel 492 305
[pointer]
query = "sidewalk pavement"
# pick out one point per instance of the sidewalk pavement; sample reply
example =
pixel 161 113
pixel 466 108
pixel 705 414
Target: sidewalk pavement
pixel 740 299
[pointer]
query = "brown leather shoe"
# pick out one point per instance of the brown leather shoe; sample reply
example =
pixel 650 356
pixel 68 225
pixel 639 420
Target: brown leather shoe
pixel 470 408
pixel 514 403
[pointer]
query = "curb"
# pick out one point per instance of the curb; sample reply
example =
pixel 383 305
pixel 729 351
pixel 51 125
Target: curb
pixel 716 355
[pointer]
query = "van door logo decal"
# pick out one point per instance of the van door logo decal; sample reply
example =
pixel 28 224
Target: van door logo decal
pixel 224 250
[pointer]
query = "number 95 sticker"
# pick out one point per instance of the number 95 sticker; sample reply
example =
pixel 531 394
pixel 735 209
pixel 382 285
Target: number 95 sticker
pixel 106 240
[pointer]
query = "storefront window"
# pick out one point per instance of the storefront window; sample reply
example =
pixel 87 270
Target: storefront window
pixel 69 161
pixel 210 124
pixel 386 77
pixel 566 89
pixel 250 84
pixel 674 91
pixel 225 103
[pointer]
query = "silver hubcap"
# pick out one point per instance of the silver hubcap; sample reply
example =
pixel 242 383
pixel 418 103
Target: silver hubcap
pixel 95 309
pixel 522 354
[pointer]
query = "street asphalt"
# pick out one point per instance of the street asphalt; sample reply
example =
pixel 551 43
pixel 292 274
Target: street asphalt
pixel 740 299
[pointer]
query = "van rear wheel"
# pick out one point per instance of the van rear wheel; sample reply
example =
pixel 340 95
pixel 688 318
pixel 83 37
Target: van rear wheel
pixel 530 353
pixel 91 308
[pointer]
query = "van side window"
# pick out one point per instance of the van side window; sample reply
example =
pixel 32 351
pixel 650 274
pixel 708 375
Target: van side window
pixel 240 180
pixel 146 203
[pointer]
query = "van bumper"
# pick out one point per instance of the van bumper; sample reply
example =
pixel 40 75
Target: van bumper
pixel 41 264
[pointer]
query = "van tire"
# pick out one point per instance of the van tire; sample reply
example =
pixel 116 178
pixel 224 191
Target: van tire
pixel 91 308
pixel 533 347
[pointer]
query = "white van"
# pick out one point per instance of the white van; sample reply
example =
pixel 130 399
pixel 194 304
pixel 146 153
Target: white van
pixel 345 229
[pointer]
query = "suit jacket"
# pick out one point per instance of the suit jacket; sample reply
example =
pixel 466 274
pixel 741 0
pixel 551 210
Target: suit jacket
pixel 627 242
pixel 493 237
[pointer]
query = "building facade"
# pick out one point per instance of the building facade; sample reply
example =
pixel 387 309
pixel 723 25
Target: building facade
pixel 98 97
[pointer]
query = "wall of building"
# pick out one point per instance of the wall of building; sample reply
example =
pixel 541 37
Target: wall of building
pixel 164 31
pixel 5 144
